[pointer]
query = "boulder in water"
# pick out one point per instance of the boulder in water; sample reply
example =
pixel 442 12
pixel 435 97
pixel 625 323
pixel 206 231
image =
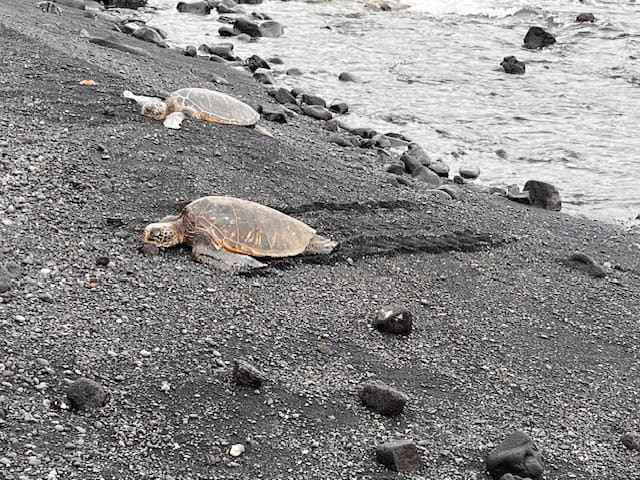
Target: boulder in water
pixel 349 77
pixel 227 31
pixel 585 17
pixel 197 8
pixel 250 2
pixel 512 65
pixel 264 76
pixel 271 29
pixel 229 6
pixel 313 100
pixel 132 4
pixel 151 35
pixel 537 38
pixel 339 107
pixel 244 25
pixel 222 50
pixel 544 195
pixel 316 111
pixel 254 62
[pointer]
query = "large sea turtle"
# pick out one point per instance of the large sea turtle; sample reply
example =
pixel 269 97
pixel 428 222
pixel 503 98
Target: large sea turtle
pixel 226 232
pixel 199 103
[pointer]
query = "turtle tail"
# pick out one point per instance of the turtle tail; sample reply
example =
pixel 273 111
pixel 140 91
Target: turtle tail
pixel 320 245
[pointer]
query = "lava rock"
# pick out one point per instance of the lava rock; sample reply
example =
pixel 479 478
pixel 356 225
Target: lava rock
pixel 414 158
pixel 517 455
pixel 131 4
pixel 453 191
pixel 254 62
pixel 294 72
pixel 537 38
pixel 282 95
pixel 150 35
pixel 313 100
pixel 244 25
pixel 229 6
pixel 190 51
pixel 349 77
pixel 364 132
pixel 264 76
pixel 394 320
pixel 439 168
pixel 469 172
pixel 85 394
pixel 271 29
pixel 340 140
pixel 544 195
pixel 399 455
pixel 246 374
pixel 221 50
pixel 316 111
pixel 297 91
pixel 512 65
pixel 273 113
pixel 275 60
pixel 631 440
pixel 397 168
pixel 102 261
pixel 260 16
pixel 250 2
pixel 339 107
pixel 383 399
pixel 585 17
pixel 197 8
pixel 584 263
pixel 423 174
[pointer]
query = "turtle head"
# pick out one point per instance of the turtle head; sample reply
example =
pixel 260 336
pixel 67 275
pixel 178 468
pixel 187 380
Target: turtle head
pixel 155 109
pixel 163 234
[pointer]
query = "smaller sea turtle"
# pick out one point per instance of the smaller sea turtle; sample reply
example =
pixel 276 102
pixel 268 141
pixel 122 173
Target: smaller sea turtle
pixel 199 103
pixel 227 232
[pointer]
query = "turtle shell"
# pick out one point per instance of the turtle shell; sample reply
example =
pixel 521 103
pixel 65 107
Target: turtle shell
pixel 212 106
pixel 246 227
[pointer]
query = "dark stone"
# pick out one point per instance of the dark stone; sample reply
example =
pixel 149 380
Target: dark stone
pixel 271 29
pixel 399 455
pixel 197 8
pixel 423 174
pixel 222 50
pixel 469 172
pixel 273 113
pixel 283 96
pixel 254 62
pixel 264 76
pixel 537 37
pixel 394 320
pixel 85 394
pixel 365 132
pixel 397 168
pixel 293 107
pixel 439 168
pixel 585 17
pixel 512 65
pixel 150 35
pixel 544 195
pixel 275 60
pixel 260 16
pixel 246 374
pixel 227 19
pixel 294 72
pixel 250 2
pixel 339 107
pixel 340 140
pixel 631 440
pixel 584 263
pixel 229 6
pixel 132 4
pixel 518 455
pixel 244 25
pixel 382 398
pixel 149 250
pixel 190 51
pixel 227 31
pixel 415 155
pixel 453 191
pixel 102 261
pixel 349 77
pixel 313 100
pixel 317 112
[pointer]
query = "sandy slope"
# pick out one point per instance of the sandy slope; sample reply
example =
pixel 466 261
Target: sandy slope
pixel 506 336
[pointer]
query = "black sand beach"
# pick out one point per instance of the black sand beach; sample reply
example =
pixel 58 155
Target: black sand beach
pixel 506 336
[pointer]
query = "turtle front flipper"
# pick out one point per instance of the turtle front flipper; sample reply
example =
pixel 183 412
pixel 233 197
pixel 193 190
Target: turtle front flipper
pixel 174 120
pixel 224 260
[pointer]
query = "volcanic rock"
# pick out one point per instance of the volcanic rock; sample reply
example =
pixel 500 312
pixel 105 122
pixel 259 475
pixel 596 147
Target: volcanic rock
pixel 517 455
pixel 512 65
pixel 317 112
pixel 246 374
pixel 544 195
pixel 537 37
pixel 254 62
pixel 382 398
pixel 394 320
pixel 313 100
pixel 85 394
pixel 339 107
pixel 197 8
pixel 585 17
pixel 399 455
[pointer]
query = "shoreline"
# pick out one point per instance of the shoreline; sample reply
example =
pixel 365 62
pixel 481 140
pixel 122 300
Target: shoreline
pixel 506 336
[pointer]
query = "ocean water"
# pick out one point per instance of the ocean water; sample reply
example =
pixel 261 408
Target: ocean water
pixel 431 70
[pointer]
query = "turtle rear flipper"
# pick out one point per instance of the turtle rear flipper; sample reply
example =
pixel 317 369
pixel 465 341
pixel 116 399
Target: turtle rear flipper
pixel 224 260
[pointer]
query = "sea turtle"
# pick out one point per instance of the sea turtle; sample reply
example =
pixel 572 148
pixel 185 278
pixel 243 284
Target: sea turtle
pixel 200 103
pixel 227 232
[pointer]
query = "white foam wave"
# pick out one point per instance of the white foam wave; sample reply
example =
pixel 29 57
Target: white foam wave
pixel 485 8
